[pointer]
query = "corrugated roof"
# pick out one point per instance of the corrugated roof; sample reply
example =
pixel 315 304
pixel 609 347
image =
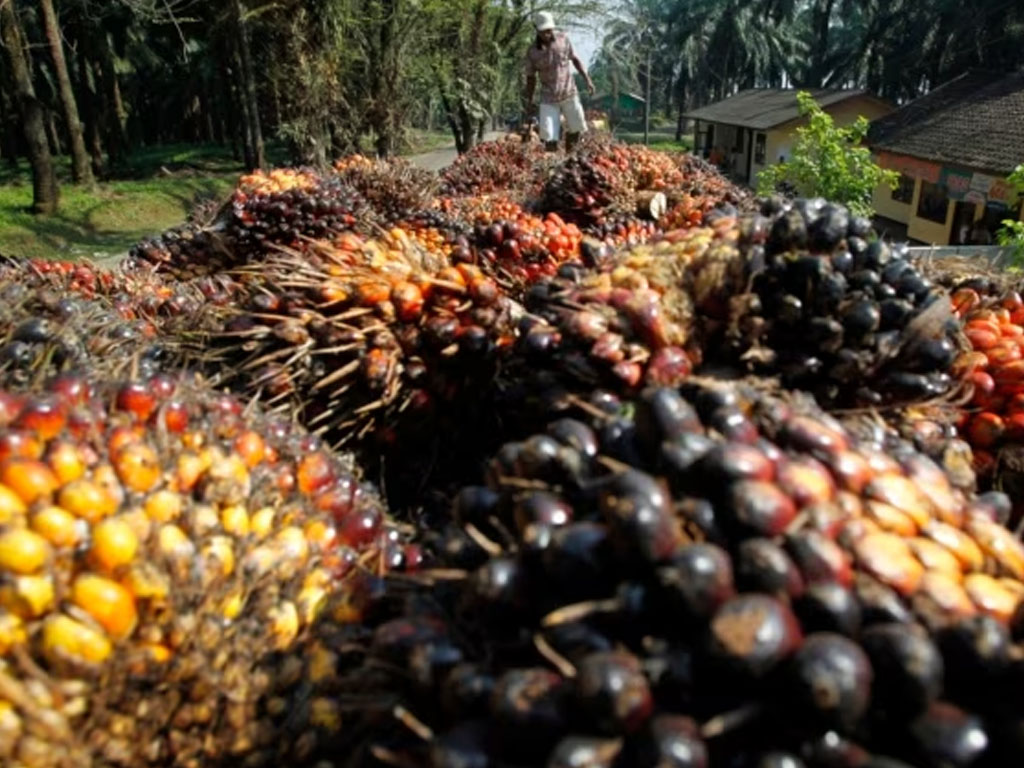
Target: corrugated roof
pixel 975 120
pixel 764 108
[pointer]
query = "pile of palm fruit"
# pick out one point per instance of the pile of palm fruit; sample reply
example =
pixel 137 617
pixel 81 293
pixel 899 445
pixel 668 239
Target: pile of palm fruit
pixel 501 467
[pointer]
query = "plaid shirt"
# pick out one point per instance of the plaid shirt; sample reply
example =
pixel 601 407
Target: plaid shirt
pixel 553 65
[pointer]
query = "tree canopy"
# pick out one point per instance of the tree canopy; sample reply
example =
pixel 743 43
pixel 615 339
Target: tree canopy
pixel 97 79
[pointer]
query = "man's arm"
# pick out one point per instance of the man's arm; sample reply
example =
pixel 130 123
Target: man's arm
pixel 531 86
pixel 583 71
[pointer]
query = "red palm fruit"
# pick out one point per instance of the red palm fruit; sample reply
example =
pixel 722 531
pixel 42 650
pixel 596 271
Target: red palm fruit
pixel 668 367
pixel 1009 374
pixel 819 558
pixel 985 429
pixel 176 416
pixel 45 416
pixel 804 433
pixel 902 493
pixel 984 385
pixel 982 338
pixel 162 386
pixel 761 508
pixel 890 519
pixel 73 389
pixel 251 447
pixel 1003 354
pixel 964 300
pixel 851 470
pixel 360 527
pixel 408 301
pixel 629 373
pixel 371 293
pixel 1015 426
pixel 338 500
pixel 807 481
pixel 314 473
pixel 136 399
pixel 484 291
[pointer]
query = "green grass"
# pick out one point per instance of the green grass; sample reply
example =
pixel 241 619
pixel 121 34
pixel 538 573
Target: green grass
pixel 109 218
pixel 660 140
pixel 155 190
pixel 671 145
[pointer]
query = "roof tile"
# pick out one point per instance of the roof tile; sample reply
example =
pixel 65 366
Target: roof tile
pixel 765 108
pixel 975 121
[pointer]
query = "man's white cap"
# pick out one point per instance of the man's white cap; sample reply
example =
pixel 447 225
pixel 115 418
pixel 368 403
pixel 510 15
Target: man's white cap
pixel 544 21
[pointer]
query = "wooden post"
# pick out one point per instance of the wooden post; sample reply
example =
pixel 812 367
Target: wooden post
pixel 647 98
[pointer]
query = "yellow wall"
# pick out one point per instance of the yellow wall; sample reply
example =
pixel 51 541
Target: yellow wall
pixel 925 230
pixel 780 140
pixel 885 206
pixel 928 231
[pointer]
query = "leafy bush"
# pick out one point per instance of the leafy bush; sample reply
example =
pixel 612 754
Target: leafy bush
pixel 1012 233
pixel 829 161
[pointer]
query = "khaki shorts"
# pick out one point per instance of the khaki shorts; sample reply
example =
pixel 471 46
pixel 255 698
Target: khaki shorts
pixel 551 114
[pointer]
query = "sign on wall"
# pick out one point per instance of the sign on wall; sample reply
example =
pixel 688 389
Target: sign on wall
pixel 960 184
pixel 911 166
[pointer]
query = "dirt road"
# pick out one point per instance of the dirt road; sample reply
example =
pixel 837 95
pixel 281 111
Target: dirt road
pixel 442 158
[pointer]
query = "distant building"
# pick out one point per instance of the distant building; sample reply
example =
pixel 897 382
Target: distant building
pixel 757 127
pixel 954 148
pixel 626 105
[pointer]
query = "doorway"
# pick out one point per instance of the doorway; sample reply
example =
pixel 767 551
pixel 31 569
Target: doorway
pixel 963 222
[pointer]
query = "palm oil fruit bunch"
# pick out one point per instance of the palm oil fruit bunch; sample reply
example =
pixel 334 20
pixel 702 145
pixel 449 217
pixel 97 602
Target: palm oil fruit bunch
pixel 494 166
pixel 838 312
pixel 287 207
pixel 162 550
pixel 351 339
pixel 994 368
pixel 46 330
pixel 621 230
pixel 80 278
pixel 652 169
pixel 930 429
pixel 703 181
pixel 699 580
pixel 592 182
pixel 391 187
pixel 640 316
pixel 524 247
pixel 186 251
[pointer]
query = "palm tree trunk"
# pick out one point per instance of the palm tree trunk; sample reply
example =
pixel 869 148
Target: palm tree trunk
pixel 93 139
pixel 44 179
pixel 8 125
pixel 249 87
pixel 110 98
pixel 81 171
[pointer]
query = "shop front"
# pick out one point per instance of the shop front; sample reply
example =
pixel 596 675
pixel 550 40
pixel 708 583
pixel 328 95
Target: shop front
pixel 945 204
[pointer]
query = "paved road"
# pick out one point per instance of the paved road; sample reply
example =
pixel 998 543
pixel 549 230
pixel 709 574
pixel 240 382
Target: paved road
pixel 442 158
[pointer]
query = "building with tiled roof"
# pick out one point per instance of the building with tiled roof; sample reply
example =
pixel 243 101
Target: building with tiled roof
pixel 954 148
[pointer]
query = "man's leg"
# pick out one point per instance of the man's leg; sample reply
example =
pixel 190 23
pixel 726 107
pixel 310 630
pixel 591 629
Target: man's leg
pixel 548 118
pixel 575 121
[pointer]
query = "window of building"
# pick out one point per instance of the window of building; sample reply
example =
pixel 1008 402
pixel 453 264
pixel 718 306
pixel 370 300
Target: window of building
pixel 904 192
pixel 759 150
pixel 934 202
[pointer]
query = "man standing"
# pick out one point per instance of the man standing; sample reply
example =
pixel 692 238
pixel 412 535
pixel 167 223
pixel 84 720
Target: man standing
pixel 550 58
